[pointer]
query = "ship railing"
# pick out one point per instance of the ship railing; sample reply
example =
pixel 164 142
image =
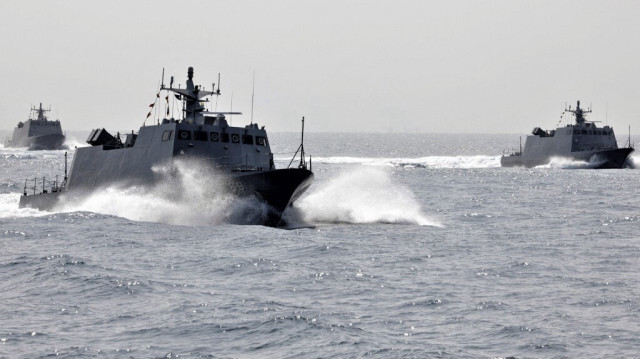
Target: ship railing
pixel 122 135
pixel 42 185
pixel 511 152
pixel 303 162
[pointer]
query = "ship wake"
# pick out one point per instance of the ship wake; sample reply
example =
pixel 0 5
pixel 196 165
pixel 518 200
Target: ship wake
pixel 364 195
pixel 418 162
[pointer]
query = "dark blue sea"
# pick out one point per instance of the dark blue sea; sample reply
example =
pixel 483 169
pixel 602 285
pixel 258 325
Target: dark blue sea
pixel 405 246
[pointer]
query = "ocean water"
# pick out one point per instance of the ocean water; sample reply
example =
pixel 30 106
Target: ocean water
pixel 405 246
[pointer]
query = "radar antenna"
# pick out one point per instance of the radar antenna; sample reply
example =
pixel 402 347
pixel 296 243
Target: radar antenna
pixel 578 112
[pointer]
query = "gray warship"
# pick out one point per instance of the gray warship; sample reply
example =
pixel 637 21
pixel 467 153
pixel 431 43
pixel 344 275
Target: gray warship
pixel 242 154
pixel 38 132
pixel 582 141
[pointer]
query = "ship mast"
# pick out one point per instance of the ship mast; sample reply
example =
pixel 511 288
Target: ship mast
pixel 579 113
pixel 303 161
pixel 191 97
pixel 40 111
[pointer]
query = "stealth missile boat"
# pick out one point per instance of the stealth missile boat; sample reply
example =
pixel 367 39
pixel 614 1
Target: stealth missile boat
pixel 38 132
pixel 241 154
pixel 582 141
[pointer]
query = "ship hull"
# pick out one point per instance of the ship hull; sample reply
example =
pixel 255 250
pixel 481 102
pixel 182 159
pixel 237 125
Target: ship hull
pixel 41 201
pixel 34 143
pixel 200 152
pixel 278 188
pixel 600 159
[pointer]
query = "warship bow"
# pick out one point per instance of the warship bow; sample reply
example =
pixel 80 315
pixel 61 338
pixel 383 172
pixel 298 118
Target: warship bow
pixel 201 137
pixel 38 132
pixel 582 141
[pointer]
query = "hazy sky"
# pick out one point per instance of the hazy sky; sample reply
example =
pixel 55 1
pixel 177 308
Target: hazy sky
pixel 365 66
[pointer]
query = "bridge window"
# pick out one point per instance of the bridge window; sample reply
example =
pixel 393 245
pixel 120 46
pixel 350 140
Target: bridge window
pixel 214 137
pixel 224 137
pixel 166 135
pixel 247 139
pixel 583 132
pixel 184 135
pixel 200 136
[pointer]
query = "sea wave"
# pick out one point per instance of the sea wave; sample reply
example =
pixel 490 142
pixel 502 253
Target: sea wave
pixel 633 161
pixel 365 195
pixel 9 207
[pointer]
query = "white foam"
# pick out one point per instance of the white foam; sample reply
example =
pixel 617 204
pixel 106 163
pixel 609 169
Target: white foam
pixel 191 194
pixel 568 163
pixel 428 162
pixel 633 161
pixel 363 195
pixel 72 142
pixel 9 207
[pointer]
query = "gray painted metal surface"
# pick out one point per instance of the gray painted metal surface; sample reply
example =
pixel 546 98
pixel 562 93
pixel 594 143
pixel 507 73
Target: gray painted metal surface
pixel 582 141
pixel 243 154
pixel 37 133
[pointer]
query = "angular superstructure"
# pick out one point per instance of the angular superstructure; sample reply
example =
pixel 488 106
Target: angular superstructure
pixel 581 141
pixel 202 138
pixel 38 132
